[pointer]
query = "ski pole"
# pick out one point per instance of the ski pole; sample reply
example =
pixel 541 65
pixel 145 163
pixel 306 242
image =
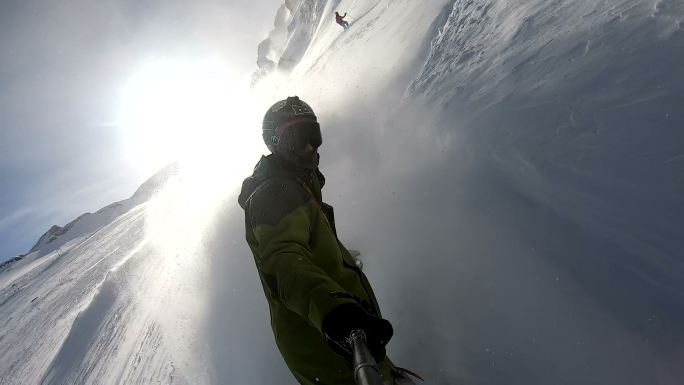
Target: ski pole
pixel 366 371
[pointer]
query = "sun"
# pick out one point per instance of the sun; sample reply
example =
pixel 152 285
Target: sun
pixel 194 112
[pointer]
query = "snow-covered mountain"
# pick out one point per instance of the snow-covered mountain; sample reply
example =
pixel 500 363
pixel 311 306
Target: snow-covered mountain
pixel 88 223
pixel 512 173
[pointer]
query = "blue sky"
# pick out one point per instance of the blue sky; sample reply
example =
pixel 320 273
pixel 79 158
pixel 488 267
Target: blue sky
pixel 61 69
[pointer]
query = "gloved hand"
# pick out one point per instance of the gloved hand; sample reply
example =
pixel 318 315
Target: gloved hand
pixel 339 323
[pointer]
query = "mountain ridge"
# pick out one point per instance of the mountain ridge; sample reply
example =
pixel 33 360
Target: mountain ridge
pixel 88 223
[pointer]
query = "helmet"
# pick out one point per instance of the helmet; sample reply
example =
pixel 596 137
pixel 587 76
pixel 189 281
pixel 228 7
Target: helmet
pixel 288 126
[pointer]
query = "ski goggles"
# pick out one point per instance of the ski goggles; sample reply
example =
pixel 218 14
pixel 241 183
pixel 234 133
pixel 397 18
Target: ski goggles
pixel 300 132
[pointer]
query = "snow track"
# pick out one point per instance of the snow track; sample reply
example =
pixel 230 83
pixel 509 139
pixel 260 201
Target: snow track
pixel 50 295
pixel 102 311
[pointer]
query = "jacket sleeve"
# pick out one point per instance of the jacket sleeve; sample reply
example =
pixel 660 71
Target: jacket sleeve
pixel 281 219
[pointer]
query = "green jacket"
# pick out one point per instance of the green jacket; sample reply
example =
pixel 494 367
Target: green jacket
pixel 304 268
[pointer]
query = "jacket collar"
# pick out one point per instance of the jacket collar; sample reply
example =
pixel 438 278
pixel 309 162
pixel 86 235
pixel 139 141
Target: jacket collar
pixel 271 166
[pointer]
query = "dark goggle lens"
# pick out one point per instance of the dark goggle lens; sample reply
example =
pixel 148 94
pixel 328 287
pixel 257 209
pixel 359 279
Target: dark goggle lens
pixel 307 132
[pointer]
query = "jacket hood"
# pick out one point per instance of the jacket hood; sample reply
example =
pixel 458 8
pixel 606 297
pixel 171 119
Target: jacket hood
pixel 271 166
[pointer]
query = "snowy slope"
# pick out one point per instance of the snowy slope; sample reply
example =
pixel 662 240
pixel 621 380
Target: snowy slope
pixel 75 294
pixel 511 172
pixel 527 159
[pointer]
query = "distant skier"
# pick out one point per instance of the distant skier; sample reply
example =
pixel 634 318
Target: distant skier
pixel 315 292
pixel 340 20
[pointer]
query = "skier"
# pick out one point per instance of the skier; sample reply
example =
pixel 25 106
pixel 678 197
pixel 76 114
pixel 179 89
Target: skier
pixel 340 20
pixel 315 292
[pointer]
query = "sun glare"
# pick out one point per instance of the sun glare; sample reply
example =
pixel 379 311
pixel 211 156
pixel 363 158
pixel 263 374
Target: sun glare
pixel 193 112
pixel 197 114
